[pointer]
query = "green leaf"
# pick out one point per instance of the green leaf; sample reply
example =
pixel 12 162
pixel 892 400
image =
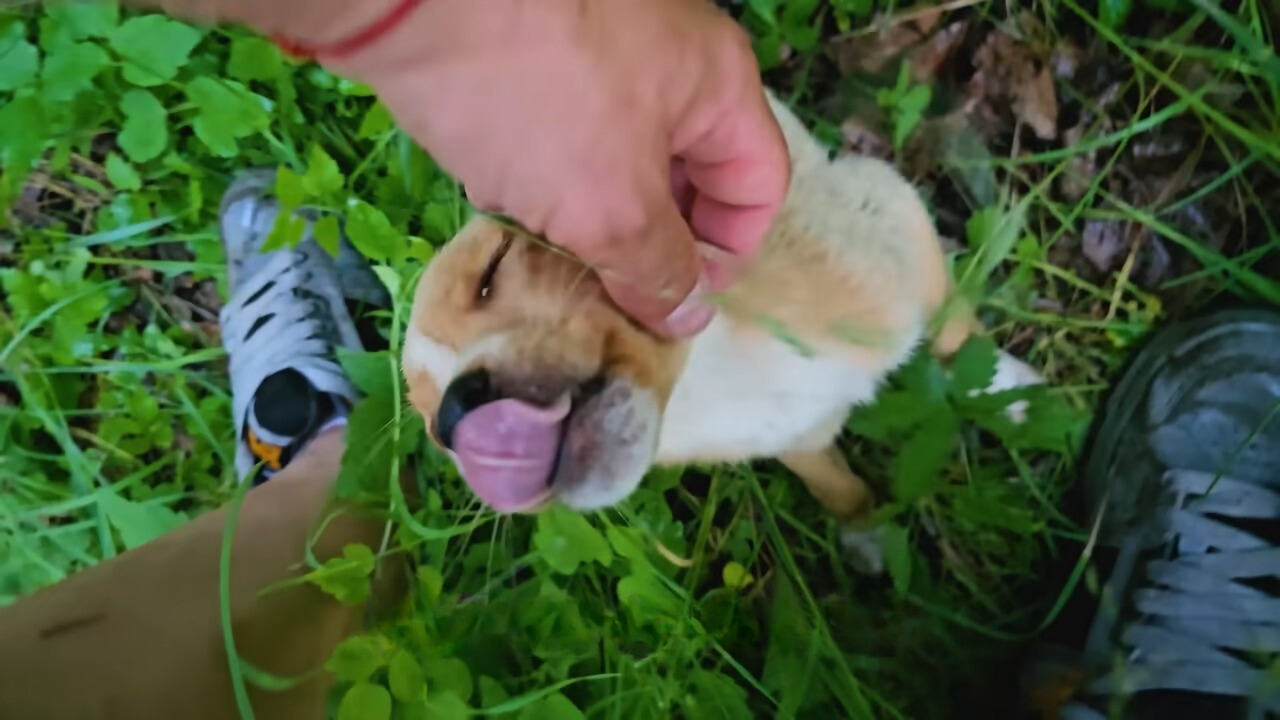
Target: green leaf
pixel 715 695
pixel 137 523
pixel 365 701
pixel 552 707
pixel 323 176
pixel 389 278
pixel 1052 422
pixel 357 658
pixel 19 63
pixel 910 111
pixel 897 556
pixel 992 232
pixel 372 372
pixel 491 692
pixel 650 602
pixel 286 231
pixel 121 173
pixel 405 677
pixel 367 461
pixel 22 136
pixel 766 10
pixel 83 20
pixel 146 130
pixel 803 38
pixel 346 577
pixel 445 706
pixel 798 13
pixel 377 121
pixel 922 457
pixel 974 365
pixel 372 234
pixel 227 113
pixel 430 583
pixel 154 48
pixel 566 540
pixel 1113 13
pixel 768 50
pixel 327 233
pixel 627 543
pixel 735 576
pixel 448 675
pixel 893 413
pixel 71 69
pixel 289 189
pixel 254 58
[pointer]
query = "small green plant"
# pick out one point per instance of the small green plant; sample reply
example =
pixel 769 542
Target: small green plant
pixel 905 103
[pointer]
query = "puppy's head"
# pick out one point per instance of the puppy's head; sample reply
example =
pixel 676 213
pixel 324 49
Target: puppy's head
pixel 531 379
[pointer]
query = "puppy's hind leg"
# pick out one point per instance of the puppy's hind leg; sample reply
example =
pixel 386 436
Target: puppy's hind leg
pixel 846 496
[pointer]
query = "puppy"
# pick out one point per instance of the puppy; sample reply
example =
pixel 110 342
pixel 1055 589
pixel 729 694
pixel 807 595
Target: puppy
pixel 542 391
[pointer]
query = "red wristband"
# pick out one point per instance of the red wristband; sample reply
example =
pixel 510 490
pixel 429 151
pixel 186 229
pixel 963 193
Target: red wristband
pixel 351 44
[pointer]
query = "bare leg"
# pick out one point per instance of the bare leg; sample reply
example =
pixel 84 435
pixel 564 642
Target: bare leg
pixel 139 636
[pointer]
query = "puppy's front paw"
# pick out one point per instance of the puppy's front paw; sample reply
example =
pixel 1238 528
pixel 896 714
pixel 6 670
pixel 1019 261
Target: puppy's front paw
pixel 1012 373
pixel 864 549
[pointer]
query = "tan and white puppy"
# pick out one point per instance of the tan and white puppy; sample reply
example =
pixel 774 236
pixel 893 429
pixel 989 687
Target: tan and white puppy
pixel 542 391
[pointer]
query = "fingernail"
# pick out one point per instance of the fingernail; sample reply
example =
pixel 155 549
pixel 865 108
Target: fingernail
pixel 694 314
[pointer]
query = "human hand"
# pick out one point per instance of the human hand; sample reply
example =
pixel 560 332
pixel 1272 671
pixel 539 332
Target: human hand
pixel 601 125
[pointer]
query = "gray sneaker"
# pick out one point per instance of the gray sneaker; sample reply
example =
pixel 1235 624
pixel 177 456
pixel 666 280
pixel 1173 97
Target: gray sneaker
pixel 1183 483
pixel 285 319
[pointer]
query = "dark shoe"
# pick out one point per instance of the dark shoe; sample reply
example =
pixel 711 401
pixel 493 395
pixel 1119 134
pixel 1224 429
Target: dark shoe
pixel 1182 487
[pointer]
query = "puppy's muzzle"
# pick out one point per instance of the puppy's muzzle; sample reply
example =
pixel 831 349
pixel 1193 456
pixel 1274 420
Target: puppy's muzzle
pixel 506 435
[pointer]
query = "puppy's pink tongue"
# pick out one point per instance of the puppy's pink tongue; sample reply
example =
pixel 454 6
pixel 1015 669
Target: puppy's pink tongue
pixel 507 449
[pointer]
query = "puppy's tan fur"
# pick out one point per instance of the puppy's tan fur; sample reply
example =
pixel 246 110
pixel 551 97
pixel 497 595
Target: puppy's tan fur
pixel 852 272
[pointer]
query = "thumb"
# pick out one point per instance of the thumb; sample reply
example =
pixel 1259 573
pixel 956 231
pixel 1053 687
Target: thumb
pixel 655 275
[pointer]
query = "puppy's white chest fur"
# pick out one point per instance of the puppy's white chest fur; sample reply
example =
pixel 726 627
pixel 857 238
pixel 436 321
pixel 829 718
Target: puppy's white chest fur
pixel 745 394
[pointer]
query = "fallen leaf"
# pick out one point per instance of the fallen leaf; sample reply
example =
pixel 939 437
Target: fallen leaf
pixel 1048 305
pixel 1160 148
pixel 183 441
pixel 211 329
pixel 141 274
pixel 207 297
pixel 927 19
pixel 1103 243
pixel 927 57
pixel 1081 168
pixel 1037 104
pixel 1008 73
pixel 1066 59
pixel 874 51
pixel 1154 261
pixel 862 139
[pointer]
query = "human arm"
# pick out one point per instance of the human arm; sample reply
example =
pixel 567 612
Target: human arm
pixel 581 119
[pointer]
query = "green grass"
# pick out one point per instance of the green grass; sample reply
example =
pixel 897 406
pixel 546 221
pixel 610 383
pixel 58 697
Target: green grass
pixel 715 591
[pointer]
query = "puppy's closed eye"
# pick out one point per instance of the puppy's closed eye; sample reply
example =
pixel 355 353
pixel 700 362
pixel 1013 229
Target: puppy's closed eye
pixel 485 287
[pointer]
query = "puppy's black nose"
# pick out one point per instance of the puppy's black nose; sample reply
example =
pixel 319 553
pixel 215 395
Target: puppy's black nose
pixel 466 393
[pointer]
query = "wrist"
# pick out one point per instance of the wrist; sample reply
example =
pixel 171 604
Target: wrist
pixel 345 37
pixel 316 22
pixel 431 30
